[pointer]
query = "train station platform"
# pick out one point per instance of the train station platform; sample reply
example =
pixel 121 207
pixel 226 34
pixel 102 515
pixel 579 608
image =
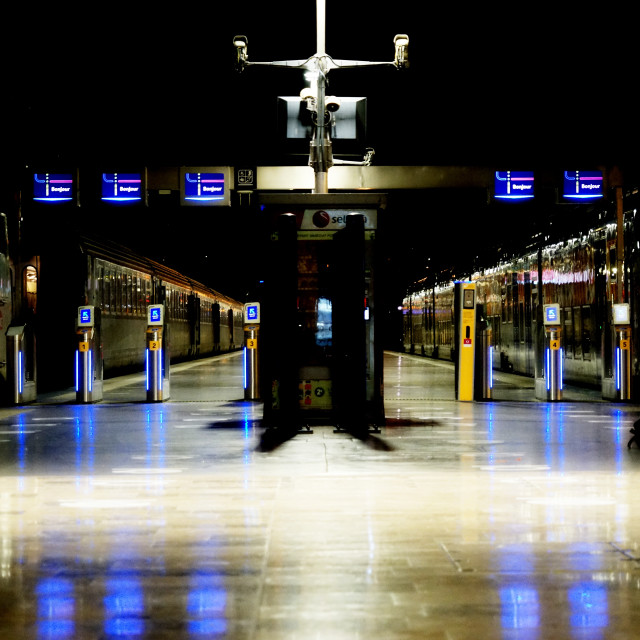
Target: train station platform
pixel 502 519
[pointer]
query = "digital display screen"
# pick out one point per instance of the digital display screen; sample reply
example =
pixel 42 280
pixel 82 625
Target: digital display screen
pixel 53 187
pixel 514 185
pixel 468 299
pixel 583 185
pixel 252 312
pixel 85 316
pixel 204 187
pixel 122 187
pixel 155 315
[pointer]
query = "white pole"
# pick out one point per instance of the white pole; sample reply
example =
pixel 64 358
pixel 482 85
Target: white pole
pixel 320 25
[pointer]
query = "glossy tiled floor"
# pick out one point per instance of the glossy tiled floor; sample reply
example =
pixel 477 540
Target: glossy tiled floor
pixel 461 521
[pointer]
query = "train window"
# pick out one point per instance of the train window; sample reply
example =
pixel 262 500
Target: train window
pixel 113 293
pixel 569 344
pixel 129 285
pixel 577 332
pixel 495 331
pixel 99 269
pixel 30 288
pixel 528 334
pixel 586 333
pixel 169 302
pixel 106 288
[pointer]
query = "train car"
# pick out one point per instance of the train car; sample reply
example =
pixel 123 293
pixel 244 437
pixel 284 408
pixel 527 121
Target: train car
pixel 6 299
pixel 80 271
pixel 580 273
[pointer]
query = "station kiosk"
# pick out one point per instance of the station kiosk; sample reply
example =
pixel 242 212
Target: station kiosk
pixel 618 386
pixel 321 359
pixel 465 334
pixel 21 364
pixel 157 364
pixel 472 345
pixel 549 387
pixel 88 356
pixel 251 330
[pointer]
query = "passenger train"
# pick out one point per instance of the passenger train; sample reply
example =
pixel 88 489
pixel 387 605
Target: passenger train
pixel 81 270
pixel 581 272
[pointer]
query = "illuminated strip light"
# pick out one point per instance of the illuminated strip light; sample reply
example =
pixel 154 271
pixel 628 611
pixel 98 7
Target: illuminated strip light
pixel 489 359
pixel 548 368
pixel 122 198
pixel 518 196
pixel 204 198
pixel 77 370
pixel 160 376
pixel 560 367
pixel 20 375
pixel 245 367
pixel 158 370
pixel 618 368
pixel 90 367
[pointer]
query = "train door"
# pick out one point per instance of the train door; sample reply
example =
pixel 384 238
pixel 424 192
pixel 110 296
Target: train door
pixel 230 324
pixel 215 326
pixel 29 306
pixel 193 318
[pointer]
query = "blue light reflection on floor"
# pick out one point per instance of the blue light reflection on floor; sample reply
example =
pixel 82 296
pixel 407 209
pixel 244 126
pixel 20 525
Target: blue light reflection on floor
pixel 56 609
pixel 520 608
pixel 206 605
pixel 124 607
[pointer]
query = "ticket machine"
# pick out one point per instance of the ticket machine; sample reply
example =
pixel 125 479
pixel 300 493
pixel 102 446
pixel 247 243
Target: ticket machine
pixel 88 357
pixel 550 386
pixel 465 338
pixel 157 354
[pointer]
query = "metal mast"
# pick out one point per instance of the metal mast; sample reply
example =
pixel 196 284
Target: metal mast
pixel 319 65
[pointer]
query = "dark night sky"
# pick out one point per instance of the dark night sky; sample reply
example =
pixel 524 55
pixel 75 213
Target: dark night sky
pixel 489 85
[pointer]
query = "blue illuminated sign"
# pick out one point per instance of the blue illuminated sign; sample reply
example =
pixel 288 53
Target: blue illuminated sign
pixel 551 314
pixel 204 187
pixel 252 312
pixel 53 187
pixel 122 187
pixel 583 185
pixel 514 185
pixel 85 316
pixel 155 314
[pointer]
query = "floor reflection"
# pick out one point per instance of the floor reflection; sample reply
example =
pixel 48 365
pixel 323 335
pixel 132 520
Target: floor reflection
pixel 481 520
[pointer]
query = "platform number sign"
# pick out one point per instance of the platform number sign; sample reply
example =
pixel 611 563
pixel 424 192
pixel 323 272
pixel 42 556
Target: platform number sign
pixel 552 314
pixel 85 317
pixel 155 316
pixel 252 313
